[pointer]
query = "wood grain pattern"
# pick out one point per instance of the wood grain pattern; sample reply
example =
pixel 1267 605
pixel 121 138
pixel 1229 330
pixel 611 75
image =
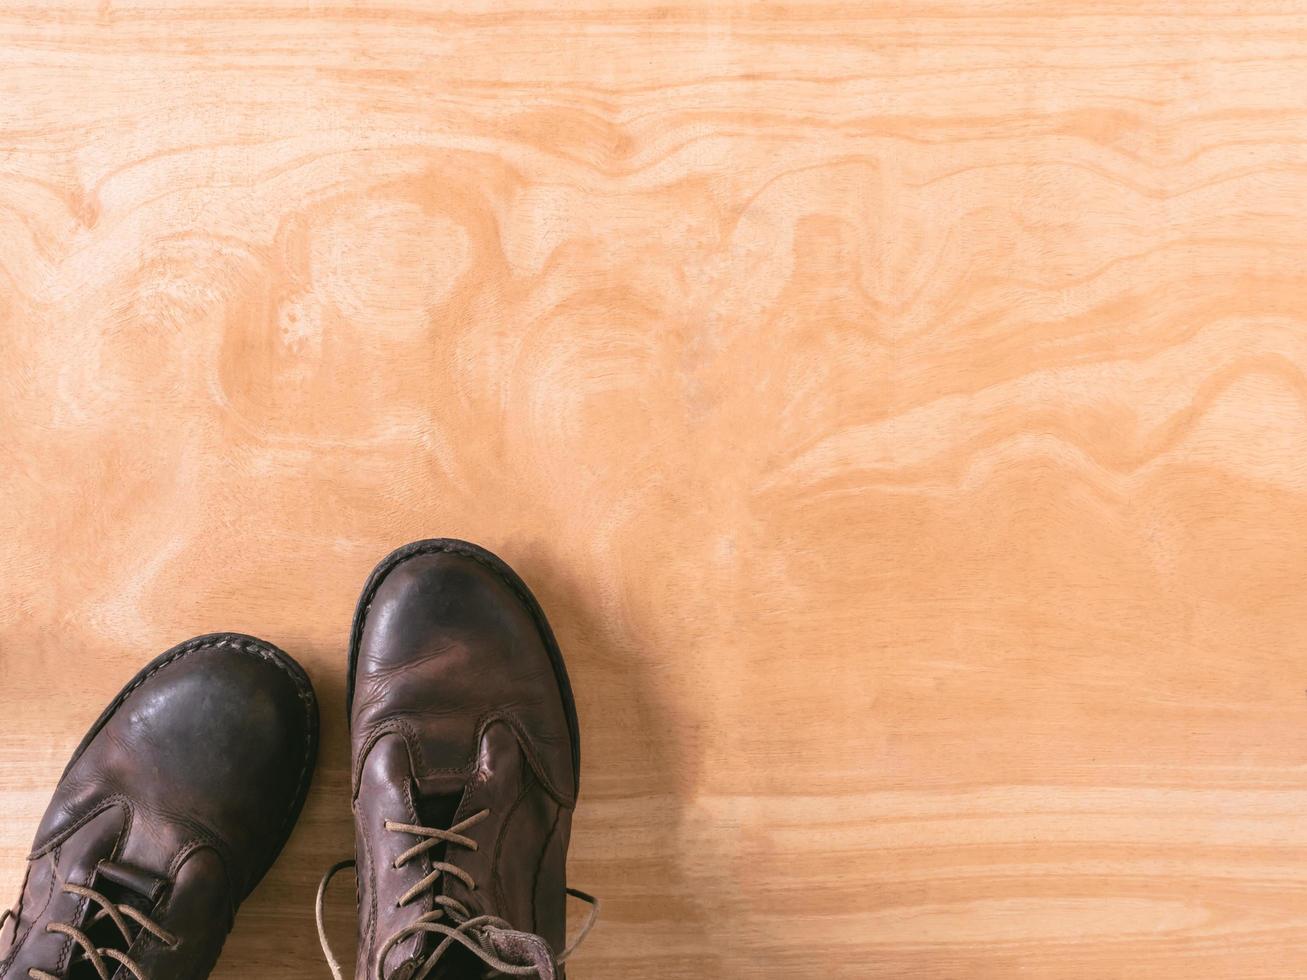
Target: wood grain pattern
pixel 899 408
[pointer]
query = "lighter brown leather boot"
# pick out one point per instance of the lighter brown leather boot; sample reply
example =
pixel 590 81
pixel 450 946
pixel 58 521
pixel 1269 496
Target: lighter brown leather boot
pixel 465 768
pixel 171 810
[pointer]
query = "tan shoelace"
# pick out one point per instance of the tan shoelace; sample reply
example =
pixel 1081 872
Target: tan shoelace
pixel 118 914
pixel 461 926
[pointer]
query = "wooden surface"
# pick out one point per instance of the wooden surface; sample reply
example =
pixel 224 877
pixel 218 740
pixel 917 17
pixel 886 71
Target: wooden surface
pixel 899 408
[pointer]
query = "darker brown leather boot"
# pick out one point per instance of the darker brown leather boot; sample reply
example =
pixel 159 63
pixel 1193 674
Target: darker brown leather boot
pixel 465 766
pixel 171 810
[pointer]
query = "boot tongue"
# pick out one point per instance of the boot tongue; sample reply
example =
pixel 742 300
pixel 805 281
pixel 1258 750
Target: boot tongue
pixel 436 810
pixel 436 806
pixel 442 800
pixel 121 884
pixel 435 800
pixel 128 885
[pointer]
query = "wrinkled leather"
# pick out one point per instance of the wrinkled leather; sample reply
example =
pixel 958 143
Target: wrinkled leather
pixel 455 694
pixel 183 793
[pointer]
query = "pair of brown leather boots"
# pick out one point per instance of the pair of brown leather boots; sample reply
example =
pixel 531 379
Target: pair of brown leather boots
pixel 464 777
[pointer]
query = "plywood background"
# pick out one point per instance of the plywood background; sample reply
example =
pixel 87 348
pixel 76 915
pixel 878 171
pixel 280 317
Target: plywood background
pixel 900 409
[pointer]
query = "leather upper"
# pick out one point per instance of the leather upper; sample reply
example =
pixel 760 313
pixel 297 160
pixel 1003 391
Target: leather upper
pixel 460 703
pixel 179 799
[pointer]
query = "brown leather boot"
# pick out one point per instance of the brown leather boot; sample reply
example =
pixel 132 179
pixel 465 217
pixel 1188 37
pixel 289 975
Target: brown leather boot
pixel 171 810
pixel 465 767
